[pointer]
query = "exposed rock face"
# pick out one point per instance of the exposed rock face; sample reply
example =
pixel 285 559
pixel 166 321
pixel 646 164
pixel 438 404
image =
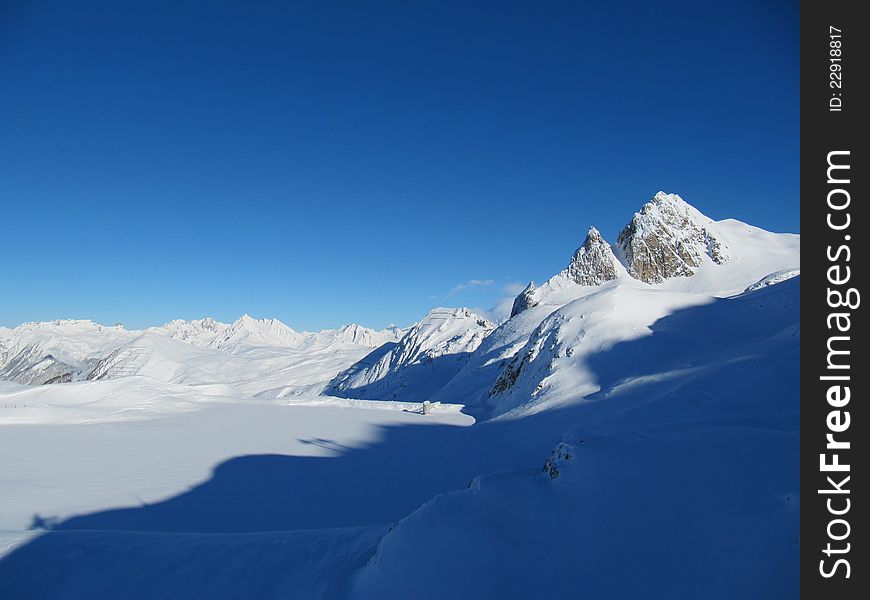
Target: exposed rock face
pixel 560 455
pixel 525 300
pixel 536 356
pixel 668 238
pixel 593 263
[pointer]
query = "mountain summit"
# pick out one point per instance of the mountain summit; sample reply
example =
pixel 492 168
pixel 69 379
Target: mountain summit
pixel 668 238
pixel 593 263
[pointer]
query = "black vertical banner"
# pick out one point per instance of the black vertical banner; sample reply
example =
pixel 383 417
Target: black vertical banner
pixel 834 228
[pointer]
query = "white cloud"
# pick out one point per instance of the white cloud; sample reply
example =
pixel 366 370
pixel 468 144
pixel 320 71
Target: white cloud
pixel 471 283
pixel 514 288
pixel 502 309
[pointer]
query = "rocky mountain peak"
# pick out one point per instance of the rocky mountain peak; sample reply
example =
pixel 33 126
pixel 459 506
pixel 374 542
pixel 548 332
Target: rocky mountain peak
pixel 668 238
pixel 593 263
pixel 525 300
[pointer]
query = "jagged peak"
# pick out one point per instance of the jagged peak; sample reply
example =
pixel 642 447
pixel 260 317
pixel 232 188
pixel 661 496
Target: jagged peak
pixel 357 328
pixel 667 238
pixel 442 319
pixel 524 300
pixel 206 322
pixel 662 196
pixel 592 235
pixel 593 263
pixel 664 203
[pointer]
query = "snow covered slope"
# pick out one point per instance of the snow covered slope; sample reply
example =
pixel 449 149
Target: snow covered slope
pixel 670 245
pixel 37 353
pixel 168 360
pixel 426 357
pixel 692 442
pixel 593 264
pixel 539 356
pixel 264 371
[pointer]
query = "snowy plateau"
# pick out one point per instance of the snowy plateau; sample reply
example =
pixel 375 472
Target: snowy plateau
pixel 631 431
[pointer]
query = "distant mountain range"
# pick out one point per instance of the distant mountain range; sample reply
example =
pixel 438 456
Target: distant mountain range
pixel 669 256
pixel 68 350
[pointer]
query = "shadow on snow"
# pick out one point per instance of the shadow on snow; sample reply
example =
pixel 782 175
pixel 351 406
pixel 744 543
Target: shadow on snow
pixel 360 491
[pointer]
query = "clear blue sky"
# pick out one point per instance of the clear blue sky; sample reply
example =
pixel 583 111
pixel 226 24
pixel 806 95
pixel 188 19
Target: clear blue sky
pixel 327 162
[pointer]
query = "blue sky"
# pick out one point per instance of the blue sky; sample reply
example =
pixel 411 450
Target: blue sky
pixel 329 162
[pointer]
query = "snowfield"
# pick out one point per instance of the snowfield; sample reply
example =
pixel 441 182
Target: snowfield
pixel 631 431
pixel 102 445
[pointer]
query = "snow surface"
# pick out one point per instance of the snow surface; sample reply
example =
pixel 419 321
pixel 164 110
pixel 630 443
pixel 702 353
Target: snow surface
pixel 133 442
pixel 679 478
pixel 773 279
pixel 619 440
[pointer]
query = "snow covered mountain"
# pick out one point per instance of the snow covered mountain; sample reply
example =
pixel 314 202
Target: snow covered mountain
pixel 671 245
pixel 250 332
pixel 52 351
pixel 647 392
pixel 250 353
pixel 686 421
pixel 592 264
pixel 669 255
pixel 539 357
pixel 269 372
pixel 199 332
pixel 360 336
pixel 425 358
